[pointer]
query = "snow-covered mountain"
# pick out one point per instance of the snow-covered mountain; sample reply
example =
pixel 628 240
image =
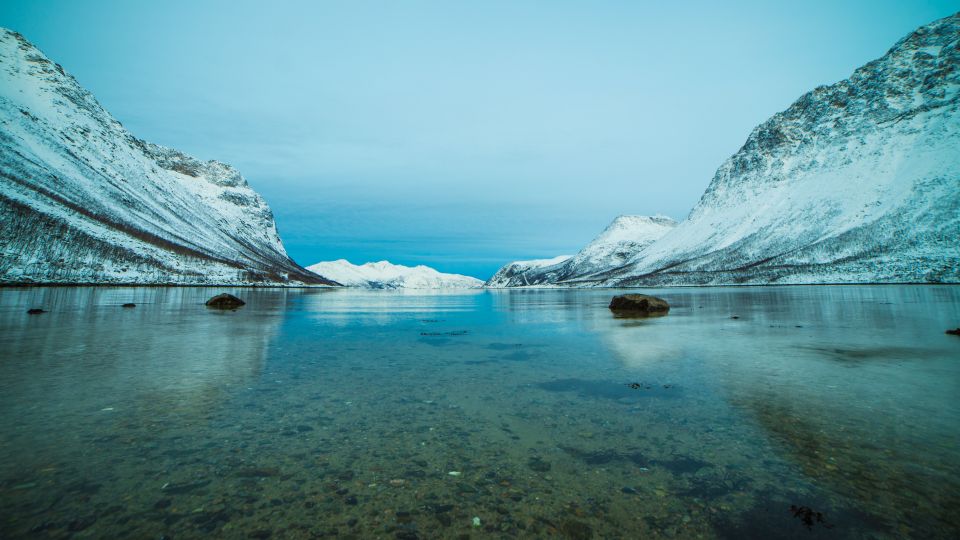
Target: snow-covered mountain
pixel 516 274
pixel 84 201
pixel 384 275
pixel 858 181
pixel 619 242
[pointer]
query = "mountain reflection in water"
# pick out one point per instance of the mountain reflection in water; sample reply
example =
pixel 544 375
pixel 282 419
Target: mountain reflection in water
pixel 816 412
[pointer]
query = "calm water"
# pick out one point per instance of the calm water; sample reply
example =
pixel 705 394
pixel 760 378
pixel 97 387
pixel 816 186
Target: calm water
pixel 482 414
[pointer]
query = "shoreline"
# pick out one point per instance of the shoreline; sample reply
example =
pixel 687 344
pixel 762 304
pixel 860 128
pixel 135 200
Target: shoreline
pixel 524 288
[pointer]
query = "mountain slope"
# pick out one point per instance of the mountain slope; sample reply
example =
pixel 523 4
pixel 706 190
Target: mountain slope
pixel 84 201
pixel 519 273
pixel 855 182
pixel 384 275
pixel 620 241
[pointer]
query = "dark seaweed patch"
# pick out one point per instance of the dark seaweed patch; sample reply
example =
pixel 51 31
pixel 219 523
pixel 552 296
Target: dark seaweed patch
pixel 809 517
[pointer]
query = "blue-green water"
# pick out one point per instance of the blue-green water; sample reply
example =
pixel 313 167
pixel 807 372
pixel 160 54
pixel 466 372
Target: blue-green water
pixel 483 414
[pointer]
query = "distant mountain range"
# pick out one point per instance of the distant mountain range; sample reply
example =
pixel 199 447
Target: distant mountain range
pixel 855 182
pixel 384 275
pixel 84 201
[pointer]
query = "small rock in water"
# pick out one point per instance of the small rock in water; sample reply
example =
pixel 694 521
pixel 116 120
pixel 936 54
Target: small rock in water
pixel 129 304
pixel 225 301
pixel 464 487
pixel 442 508
pixel 955 332
pixel 639 304
pixel 35 311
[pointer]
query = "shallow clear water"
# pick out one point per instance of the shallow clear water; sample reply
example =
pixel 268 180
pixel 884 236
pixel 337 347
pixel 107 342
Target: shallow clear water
pixel 312 413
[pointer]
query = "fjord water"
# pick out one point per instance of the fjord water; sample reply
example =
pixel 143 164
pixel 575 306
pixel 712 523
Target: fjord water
pixel 396 415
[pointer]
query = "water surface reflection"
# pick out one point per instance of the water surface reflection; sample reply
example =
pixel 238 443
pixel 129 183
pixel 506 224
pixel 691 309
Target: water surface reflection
pixel 309 413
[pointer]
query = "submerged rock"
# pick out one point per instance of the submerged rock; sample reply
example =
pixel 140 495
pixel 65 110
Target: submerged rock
pixel 538 464
pixel 129 305
pixel 576 530
pixel 639 304
pixel 225 301
pixel 35 311
pixel 955 332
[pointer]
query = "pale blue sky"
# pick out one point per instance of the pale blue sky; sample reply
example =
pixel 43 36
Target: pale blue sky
pixel 460 135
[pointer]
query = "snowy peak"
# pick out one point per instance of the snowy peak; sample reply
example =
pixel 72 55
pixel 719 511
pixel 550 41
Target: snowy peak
pixel 385 275
pixel 84 201
pixel 620 241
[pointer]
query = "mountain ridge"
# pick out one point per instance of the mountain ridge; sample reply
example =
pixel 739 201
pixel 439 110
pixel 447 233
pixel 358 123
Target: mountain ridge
pixel 855 182
pixel 82 200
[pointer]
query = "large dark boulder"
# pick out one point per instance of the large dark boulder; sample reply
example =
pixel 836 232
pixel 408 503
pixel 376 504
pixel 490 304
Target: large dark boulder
pixel 225 301
pixel 639 304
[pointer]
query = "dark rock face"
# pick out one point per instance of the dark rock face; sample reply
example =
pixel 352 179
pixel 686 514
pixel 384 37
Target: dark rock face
pixel 639 303
pixel 35 311
pixel 225 301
